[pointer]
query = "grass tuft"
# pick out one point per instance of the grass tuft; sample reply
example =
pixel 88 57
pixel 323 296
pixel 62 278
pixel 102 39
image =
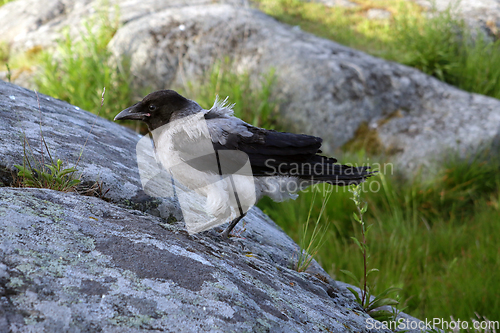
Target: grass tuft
pixel 311 241
pixel 81 68
pixel 253 101
pixel 36 173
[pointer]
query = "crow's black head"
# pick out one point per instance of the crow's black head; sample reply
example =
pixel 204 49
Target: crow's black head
pixel 156 109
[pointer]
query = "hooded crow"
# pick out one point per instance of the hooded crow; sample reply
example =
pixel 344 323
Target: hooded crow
pixel 212 145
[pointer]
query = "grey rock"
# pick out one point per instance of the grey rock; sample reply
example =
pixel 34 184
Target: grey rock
pixel 40 23
pixel 326 89
pixel 75 268
pixel 378 14
pixel 107 157
pixel 120 271
pixel 72 263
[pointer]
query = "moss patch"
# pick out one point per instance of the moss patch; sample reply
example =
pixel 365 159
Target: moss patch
pixel 366 139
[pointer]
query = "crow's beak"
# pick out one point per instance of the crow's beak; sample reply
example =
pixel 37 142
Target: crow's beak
pixel 130 113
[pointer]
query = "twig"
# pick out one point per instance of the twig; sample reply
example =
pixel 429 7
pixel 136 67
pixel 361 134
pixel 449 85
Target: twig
pixel 42 138
pixel 41 134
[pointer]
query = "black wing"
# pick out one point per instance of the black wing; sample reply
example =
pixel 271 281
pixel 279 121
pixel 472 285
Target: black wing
pixel 273 153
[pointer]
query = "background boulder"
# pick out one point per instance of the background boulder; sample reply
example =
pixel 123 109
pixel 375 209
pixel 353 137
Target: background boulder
pixel 324 88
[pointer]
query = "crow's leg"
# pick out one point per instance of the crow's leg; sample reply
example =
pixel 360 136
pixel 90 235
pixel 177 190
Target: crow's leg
pixel 225 233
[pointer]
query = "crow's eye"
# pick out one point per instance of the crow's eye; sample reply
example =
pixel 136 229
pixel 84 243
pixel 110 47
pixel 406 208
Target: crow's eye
pixel 152 107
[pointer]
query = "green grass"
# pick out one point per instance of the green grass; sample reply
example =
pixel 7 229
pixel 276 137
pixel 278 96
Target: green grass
pixel 436 240
pixel 83 68
pixel 311 240
pixel 347 26
pixel 253 102
pixel 443 47
pixel 440 45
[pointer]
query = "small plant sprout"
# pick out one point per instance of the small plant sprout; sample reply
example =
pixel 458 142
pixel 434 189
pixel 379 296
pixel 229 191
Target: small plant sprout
pixel 9 74
pixel 309 246
pixel 51 176
pixel 364 297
